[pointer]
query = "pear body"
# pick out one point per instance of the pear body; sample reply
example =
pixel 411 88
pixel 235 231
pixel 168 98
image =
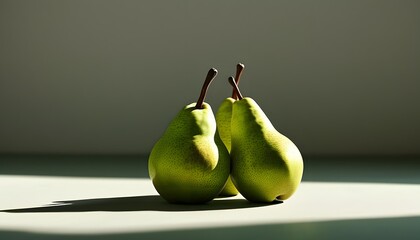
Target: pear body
pixel 189 163
pixel 266 165
pixel 223 121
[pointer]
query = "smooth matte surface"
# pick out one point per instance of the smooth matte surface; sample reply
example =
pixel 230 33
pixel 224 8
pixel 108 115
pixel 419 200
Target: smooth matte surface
pixel 351 203
pixel 101 76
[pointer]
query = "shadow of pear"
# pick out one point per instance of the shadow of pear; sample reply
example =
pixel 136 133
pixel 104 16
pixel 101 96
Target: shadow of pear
pixel 136 203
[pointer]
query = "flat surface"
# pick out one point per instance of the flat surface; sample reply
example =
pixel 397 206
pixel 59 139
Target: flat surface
pixel 112 198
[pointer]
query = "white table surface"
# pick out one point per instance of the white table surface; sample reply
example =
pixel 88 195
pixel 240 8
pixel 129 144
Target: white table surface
pixel 49 205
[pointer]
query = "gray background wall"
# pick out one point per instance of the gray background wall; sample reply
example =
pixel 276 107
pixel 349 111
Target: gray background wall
pixel 337 77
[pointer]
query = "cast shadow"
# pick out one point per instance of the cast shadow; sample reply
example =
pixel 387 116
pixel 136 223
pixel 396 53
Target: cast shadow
pixel 136 203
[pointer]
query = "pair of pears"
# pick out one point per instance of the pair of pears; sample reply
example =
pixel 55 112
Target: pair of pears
pixel 200 157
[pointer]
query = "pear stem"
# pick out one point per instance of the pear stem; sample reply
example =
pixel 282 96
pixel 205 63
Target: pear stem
pixel 235 87
pixel 239 68
pixel 210 76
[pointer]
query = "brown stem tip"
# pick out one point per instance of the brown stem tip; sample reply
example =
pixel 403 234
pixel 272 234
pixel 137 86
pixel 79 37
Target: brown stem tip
pixel 210 76
pixel 235 87
pixel 239 68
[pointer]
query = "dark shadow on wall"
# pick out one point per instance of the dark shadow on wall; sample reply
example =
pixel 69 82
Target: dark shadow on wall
pixel 118 166
pixel 375 169
pixel 381 228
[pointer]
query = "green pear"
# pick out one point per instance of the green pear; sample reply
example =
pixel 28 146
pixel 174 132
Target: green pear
pixel 223 120
pixel 266 165
pixel 189 163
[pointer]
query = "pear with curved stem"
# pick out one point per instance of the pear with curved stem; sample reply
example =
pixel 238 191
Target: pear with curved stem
pixel 189 163
pixel 223 120
pixel 266 165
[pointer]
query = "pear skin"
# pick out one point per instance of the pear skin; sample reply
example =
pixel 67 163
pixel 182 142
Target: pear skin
pixel 223 120
pixel 189 163
pixel 266 165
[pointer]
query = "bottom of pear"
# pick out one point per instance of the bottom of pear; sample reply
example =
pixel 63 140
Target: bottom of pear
pixel 229 190
pixel 277 200
pixel 227 194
